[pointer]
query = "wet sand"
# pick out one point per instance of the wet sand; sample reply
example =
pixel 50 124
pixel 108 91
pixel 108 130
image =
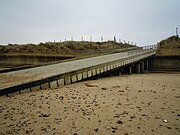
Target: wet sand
pixel 146 104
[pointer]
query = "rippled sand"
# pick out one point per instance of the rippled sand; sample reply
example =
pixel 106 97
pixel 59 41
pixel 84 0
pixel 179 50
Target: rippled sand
pixel 124 105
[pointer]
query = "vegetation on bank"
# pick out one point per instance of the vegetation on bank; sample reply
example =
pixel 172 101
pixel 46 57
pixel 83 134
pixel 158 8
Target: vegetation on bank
pixel 171 42
pixel 169 47
pixel 61 48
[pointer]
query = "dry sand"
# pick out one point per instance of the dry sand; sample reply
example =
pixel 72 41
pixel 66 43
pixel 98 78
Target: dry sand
pixel 146 104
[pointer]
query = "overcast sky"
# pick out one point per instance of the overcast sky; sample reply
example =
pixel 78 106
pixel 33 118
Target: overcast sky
pixel 142 21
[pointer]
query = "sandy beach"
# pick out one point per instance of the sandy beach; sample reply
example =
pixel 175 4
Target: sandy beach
pixel 147 104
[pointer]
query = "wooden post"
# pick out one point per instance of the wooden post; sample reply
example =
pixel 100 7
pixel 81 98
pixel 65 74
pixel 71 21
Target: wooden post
pixel 114 39
pixel 101 39
pixel 177 32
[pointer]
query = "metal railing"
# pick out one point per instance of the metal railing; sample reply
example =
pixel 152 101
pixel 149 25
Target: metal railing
pixel 103 51
pixel 142 50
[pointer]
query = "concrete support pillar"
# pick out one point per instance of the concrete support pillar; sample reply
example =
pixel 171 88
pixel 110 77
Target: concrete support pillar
pixel 146 64
pixel 142 67
pixel 138 68
pixel 130 69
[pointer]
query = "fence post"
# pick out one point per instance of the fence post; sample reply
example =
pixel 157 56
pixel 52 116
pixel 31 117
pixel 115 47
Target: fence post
pixel 101 39
pixel 114 39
